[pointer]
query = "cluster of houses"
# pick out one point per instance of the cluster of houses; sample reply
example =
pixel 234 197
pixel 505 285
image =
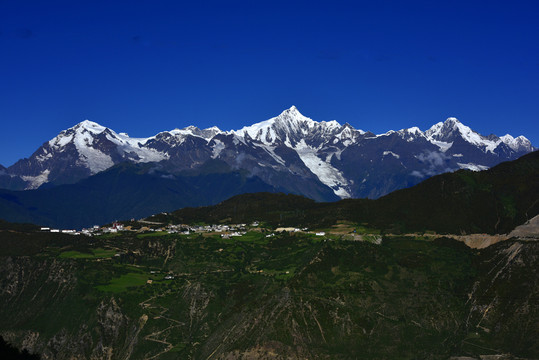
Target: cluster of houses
pixel 227 231
pixel 207 228
pixel 63 231
pixel 95 230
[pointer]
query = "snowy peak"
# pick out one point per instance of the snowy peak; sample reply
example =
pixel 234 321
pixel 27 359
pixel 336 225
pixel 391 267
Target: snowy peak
pixel 89 126
pixel 208 133
pixel 447 130
pixel 292 115
pixel 96 147
pixel 191 130
pixel 411 134
pixel 520 143
pixel 279 128
pixel 289 127
pixel 292 122
pixel 444 134
pixel 83 134
pixel 347 132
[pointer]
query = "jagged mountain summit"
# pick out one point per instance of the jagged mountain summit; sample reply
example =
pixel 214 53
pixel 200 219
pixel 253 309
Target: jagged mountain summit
pixel 290 152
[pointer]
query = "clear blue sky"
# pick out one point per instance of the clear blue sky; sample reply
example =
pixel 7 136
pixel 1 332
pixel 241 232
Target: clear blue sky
pixel 146 66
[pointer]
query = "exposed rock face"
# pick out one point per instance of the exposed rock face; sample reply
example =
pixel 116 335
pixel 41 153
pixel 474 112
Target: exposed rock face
pixel 528 230
pixel 94 331
pixel 506 299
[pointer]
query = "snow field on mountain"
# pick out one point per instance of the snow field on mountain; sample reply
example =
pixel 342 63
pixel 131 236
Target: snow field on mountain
pixel 326 173
pixel 37 181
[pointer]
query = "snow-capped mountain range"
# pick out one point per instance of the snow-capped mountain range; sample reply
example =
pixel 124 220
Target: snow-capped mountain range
pixel 291 152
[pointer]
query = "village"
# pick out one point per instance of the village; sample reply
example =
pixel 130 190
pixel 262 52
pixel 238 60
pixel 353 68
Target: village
pixel 144 226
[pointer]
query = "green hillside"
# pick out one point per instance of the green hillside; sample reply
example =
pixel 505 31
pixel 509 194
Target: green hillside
pixel 285 296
